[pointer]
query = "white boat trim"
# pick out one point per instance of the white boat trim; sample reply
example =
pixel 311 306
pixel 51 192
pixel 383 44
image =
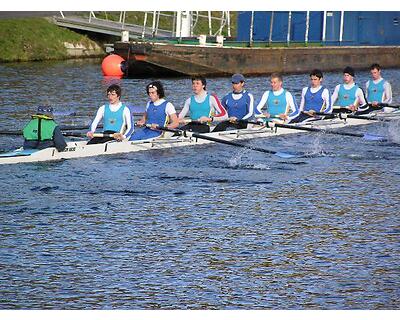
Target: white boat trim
pixel 79 149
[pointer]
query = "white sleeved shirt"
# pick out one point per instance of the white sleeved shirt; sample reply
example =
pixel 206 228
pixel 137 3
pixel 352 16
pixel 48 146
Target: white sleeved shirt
pixel 127 124
pixel 359 100
pixel 289 98
pixel 387 96
pixel 219 113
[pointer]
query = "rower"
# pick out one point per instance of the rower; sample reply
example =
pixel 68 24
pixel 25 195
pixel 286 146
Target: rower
pixel 159 113
pixel 280 104
pixel 315 98
pixel 348 96
pixel 42 131
pixel 203 108
pixel 116 117
pixel 378 90
pixel 239 105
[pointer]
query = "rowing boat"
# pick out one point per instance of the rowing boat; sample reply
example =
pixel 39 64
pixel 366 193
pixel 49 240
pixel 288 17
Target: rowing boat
pixel 79 149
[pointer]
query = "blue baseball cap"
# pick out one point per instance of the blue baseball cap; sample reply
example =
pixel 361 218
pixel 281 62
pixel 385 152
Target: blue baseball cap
pixel 237 77
pixel 45 110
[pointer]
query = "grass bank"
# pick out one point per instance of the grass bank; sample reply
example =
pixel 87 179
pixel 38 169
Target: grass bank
pixel 30 39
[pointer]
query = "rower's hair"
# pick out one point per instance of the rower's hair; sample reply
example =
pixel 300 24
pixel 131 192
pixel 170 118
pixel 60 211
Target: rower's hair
pixel 375 66
pixel 200 78
pixel 276 75
pixel 116 88
pixel 158 86
pixel 316 73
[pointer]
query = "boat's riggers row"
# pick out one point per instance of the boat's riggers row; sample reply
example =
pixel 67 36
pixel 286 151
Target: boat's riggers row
pixel 366 136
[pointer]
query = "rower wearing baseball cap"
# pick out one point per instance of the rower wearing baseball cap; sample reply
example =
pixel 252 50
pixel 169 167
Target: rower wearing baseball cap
pixel 239 104
pixel 348 96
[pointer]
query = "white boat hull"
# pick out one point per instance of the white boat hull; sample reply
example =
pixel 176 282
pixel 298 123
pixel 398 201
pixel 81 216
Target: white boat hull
pixel 80 149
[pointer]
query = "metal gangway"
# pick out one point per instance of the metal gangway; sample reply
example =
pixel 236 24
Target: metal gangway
pixel 182 24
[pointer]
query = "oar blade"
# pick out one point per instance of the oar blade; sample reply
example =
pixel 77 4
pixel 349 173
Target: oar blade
pixel 285 155
pixel 373 137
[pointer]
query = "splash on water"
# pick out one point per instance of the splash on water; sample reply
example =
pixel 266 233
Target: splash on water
pixel 394 131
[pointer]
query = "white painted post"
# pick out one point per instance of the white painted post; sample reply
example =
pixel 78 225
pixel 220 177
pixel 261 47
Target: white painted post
pixel 153 26
pixel 202 40
pixel 307 27
pixel 228 21
pixel 341 26
pixel 183 21
pixel 125 36
pixel 289 27
pixel 324 28
pixel 271 27
pixel 144 25
pixel 251 28
pixel 209 24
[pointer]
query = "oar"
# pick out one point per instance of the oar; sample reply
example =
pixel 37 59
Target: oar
pixel 83 135
pixel 11 133
pixel 343 116
pixel 62 128
pixel 231 143
pixel 383 105
pixel 366 136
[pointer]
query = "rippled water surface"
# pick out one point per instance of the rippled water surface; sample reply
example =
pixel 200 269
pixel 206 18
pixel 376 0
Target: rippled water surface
pixel 199 227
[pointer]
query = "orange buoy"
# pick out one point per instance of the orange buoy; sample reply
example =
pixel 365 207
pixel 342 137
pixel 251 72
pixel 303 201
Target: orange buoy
pixel 112 65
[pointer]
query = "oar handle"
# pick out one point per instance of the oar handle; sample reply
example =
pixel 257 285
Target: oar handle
pixel 323 114
pixel 11 133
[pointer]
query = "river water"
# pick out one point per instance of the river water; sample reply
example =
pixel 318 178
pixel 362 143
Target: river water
pixel 206 227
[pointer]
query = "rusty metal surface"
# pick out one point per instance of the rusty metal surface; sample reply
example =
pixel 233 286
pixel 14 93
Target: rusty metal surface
pixel 175 60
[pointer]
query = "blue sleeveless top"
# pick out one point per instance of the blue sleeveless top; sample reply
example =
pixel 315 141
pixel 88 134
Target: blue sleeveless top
pixel 236 108
pixel 346 97
pixel 314 101
pixel 198 110
pixel 277 104
pixel 375 91
pixel 113 121
pixel 157 114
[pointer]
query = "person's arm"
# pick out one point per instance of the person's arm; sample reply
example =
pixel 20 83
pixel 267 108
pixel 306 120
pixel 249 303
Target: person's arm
pixel 366 89
pixel 327 99
pixel 360 98
pixel 184 111
pixel 262 103
pixel 387 93
pixel 292 106
pixel 302 100
pixel 250 106
pixel 173 118
pixel 128 124
pixel 218 111
pixel 58 139
pixel 93 126
pixel 335 95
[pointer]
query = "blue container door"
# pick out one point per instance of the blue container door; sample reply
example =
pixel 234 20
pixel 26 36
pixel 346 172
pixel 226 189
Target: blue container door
pixel 368 25
pixel 332 27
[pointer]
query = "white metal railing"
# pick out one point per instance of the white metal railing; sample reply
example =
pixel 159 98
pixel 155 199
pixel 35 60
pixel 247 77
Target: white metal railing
pixel 154 16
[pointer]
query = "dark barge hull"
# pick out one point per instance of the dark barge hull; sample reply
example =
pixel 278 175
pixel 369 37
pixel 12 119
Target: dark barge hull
pixel 158 59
